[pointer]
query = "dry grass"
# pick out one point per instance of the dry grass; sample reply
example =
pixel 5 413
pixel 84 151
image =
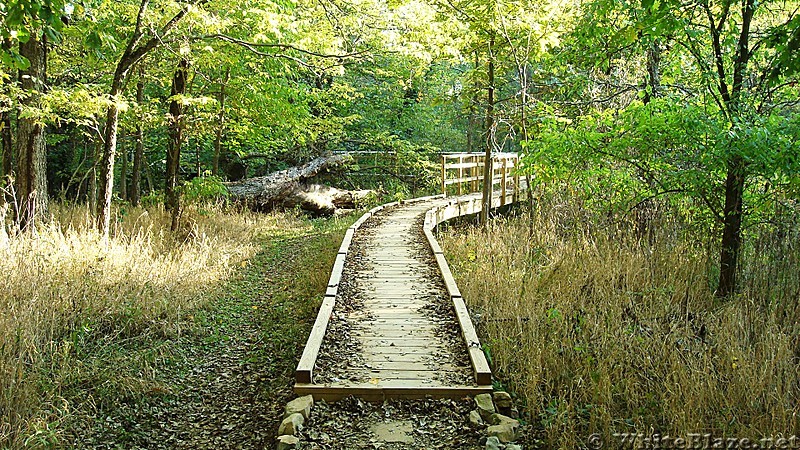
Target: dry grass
pixel 65 283
pixel 599 333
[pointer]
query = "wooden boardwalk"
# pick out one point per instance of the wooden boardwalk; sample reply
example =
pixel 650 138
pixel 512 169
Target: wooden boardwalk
pixel 393 323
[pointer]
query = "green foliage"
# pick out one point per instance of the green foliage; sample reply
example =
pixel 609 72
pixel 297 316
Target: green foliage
pixel 669 148
pixel 23 19
pixel 205 189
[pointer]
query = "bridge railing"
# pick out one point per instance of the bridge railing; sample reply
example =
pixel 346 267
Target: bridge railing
pixel 462 173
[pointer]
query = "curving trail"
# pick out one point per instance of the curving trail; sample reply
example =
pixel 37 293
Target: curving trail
pixel 393 324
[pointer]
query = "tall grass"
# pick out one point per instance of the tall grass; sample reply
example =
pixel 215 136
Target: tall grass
pixel 66 282
pixel 600 332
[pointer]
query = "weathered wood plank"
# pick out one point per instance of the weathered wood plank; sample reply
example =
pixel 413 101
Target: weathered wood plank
pixel 399 342
pixel 429 366
pixel 336 272
pixel 389 389
pixel 447 276
pixel 360 221
pixel 346 241
pixel 480 366
pixel 303 373
pixel 399 351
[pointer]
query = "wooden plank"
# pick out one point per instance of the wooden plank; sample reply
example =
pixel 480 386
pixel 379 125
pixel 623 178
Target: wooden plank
pixel 404 374
pixel 415 321
pixel 398 342
pixel 304 371
pixel 405 328
pixel 480 367
pixel 396 333
pixel 336 272
pixel 346 241
pixel 449 281
pixel 360 221
pixel 388 312
pixel 399 304
pixel 464 179
pixel 400 351
pixel 389 389
pixel 398 272
pixel 397 279
pixel 414 358
pixel 460 175
pixel 452 166
pixel 398 290
pixel 433 243
pixel 410 366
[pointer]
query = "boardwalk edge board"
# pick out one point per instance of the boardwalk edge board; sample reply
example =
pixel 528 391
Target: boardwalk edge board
pixel 304 372
pixel 377 393
pixel 437 215
pixel 305 368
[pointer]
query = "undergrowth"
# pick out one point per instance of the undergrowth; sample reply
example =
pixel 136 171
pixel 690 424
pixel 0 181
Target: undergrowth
pixel 600 330
pixel 88 324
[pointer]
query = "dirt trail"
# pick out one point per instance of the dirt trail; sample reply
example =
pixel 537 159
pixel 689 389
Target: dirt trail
pixel 223 382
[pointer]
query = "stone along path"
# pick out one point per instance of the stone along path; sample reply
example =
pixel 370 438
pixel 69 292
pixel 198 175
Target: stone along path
pixel 393 331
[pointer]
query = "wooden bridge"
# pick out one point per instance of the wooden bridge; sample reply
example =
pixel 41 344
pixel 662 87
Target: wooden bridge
pixel 393 323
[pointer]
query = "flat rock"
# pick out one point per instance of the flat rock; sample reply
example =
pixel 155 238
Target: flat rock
pixel 287 442
pixel 291 425
pixel 502 400
pixel 475 419
pixel 513 447
pixel 485 405
pixel 504 428
pixel 505 432
pixel 301 405
pixel 499 419
pixel 492 443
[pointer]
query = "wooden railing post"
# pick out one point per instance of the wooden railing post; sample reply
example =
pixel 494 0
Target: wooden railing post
pixel 516 178
pixel 460 173
pixel 444 175
pixel 476 173
pixel 505 160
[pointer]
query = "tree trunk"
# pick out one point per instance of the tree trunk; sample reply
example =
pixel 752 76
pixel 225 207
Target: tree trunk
pixel 106 182
pixel 487 164
pixel 472 121
pixel 220 123
pixel 6 179
pixel 31 180
pixel 134 52
pixel 732 213
pixel 6 140
pixel 732 228
pixel 138 154
pixel 260 192
pixel 653 72
pixel 92 188
pixel 148 175
pixel 171 194
pixel 123 171
pixel 316 199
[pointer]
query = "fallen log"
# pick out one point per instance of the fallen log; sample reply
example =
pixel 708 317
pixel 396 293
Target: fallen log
pixel 318 199
pixel 290 188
